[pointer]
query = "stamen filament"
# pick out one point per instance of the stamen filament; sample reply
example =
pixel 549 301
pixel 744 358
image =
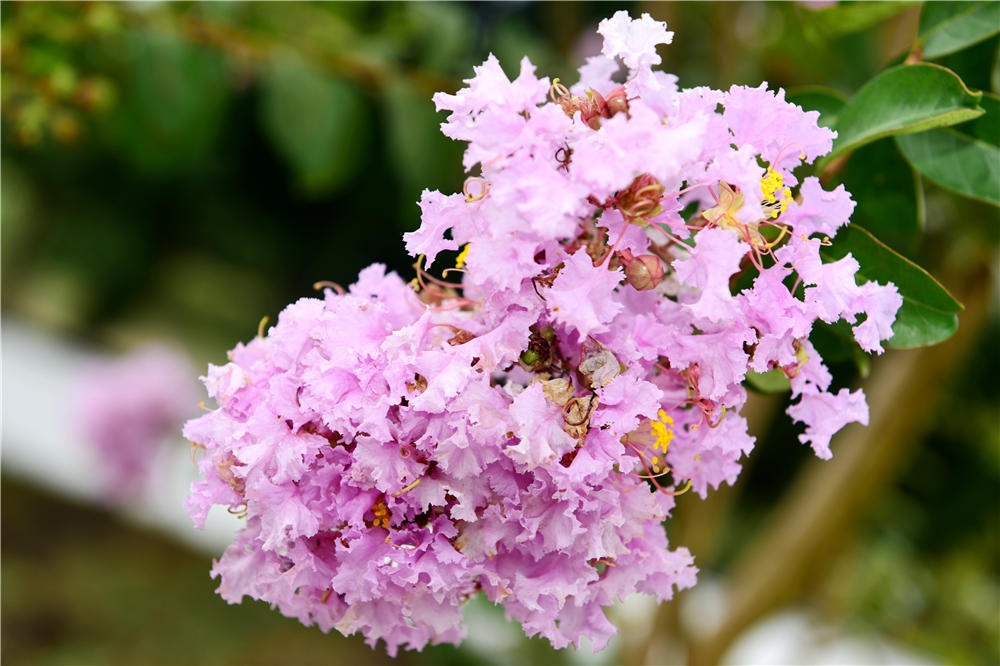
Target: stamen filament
pixel 483 189
pixel 407 488
pixel 326 284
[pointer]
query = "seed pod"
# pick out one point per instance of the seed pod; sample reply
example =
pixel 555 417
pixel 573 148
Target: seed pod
pixel 599 367
pixel 576 416
pixel 558 390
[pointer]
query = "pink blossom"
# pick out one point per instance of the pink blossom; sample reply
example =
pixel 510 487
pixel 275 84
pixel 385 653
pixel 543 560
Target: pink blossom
pixel 820 211
pixel 522 430
pixel 127 408
pixel 764 119
pixel 634 40
pixel 582 296
pixel 880 303
pixel 714 259
pixel 826 413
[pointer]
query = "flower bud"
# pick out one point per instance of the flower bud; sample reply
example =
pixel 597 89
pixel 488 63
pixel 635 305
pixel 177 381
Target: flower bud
pixel 641 199
pixel 644 272
pixel 616 102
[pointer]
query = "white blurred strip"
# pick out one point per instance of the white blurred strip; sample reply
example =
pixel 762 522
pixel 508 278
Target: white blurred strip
pixel 793 637
pixel 41 445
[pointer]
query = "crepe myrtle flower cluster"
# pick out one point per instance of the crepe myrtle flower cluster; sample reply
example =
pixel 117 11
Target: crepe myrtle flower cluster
pixel 520 426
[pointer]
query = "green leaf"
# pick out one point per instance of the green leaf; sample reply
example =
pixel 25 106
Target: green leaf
pixel 928 314
pixel 512 38
pixel 964 158
pixel 772 381
pixel 443 33
pixel 419 155
pixel 995 73
pixel 888 193
pixel 946 27
pixel 173 104
pixel 903 100
pixel 316 122
pixel 972 64
pixel 848 17
pixel 827 101
pixel 834 342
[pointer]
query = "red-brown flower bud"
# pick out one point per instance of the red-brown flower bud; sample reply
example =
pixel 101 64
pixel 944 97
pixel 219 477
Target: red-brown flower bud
pixel 641 199
pixel 616 102
pixel 644 272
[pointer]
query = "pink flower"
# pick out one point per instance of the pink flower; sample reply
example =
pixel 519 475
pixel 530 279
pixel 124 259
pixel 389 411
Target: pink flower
pixel 523 432
pixel 127 408
pixel 582 296
pixel 634 40
pixel 714 259
pixel 826 413
pixel 820 211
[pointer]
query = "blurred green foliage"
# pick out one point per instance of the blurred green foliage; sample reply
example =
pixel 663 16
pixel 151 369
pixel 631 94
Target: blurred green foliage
pixel 179 170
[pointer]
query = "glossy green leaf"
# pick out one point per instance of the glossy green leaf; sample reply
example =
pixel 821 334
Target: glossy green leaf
pixel 903 100
pixel 316 123
pixel 946 27
pixel 827 101
pixel 985 128
pixel 888 194
pixel 964 158
pixel 834 342
pixel 973 64
pixel 772 381
pixel 928 314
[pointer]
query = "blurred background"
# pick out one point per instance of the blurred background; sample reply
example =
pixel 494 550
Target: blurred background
pixel 173 172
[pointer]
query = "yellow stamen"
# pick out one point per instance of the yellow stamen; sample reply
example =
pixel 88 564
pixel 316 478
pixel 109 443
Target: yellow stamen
pixel 462 256
pixel 687 487
pixel 777 240
pixel 326 284
pixel 261 325
pixel 719 422
pixel 663 430
pixel 801 354
pixel 557 90
pixel 407 488
pixel 467 191
pixel 382 515
pixel 772 184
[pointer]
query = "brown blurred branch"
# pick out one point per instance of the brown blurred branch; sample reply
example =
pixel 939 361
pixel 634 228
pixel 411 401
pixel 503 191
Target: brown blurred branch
pixel 365 67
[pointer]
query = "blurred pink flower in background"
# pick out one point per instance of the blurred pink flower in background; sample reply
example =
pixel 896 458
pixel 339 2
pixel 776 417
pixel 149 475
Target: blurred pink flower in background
pixel 126 410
